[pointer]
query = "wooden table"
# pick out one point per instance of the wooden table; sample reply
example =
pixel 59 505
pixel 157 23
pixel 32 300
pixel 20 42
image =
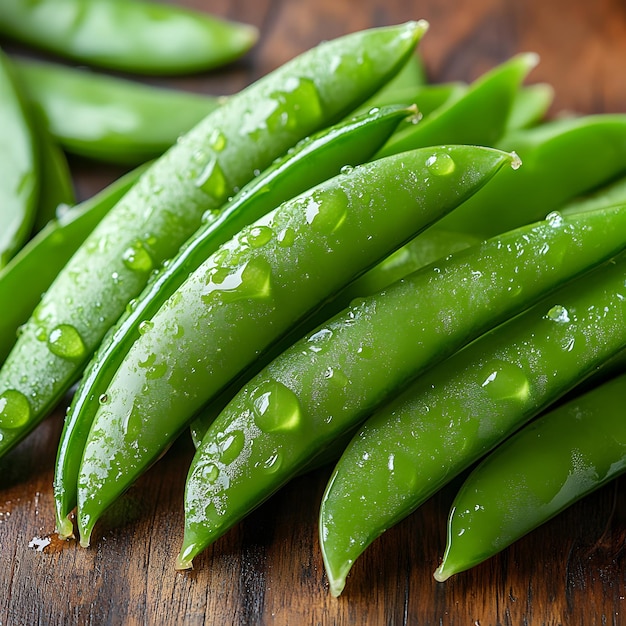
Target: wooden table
pixel 268 570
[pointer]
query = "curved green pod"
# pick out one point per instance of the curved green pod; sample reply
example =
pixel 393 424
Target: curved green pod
pixel 460 409
pixel 33 269
pixel 140 37
pixel 311 161
pixel 250 292
pixel 558 459
pixel 19 164
pixel 477 116
pixel 428 98
pixel 530 106
pixel 110 119
pixel 323 386
pixel 189 183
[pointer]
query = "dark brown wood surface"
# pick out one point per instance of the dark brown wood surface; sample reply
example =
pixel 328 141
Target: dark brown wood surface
pixel 268 570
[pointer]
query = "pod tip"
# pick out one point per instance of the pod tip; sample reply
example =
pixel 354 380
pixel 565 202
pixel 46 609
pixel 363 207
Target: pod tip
pixel 440 574
pixel 184 560
pixel 516 162
pixel 65 528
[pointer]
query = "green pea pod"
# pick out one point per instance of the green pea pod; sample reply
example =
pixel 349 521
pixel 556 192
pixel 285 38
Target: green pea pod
pixel 613 193
pixel 550 464
pixel 328 382
pixel 425 248
pixel 107 118
pixel 530 106
pixel 19 183
pixel 428 98
pixel 167 204
pixel 250 292
pixel 465 406
pixel 33 269
pixel 139 37
pixel 412 74
pixel 477 117
pixel 312 161
pixel 562 159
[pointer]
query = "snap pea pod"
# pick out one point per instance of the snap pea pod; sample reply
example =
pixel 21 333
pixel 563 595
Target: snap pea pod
pixel 19 184
pixel 33 269
pixel 325 384
pixel 428 98
pixel 139 37
pixel 312 161
pixel 530 106
pixel 250 292
pixel 547 466
pixel 477 117
pixel 562 159
pixel 466 405
pixel 613 193
pixel 412 74
pixel 424 249
pixel 107 118
pixel 167 204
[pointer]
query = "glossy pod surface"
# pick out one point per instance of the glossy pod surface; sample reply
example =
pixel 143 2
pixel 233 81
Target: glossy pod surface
pixel 33 269
pixel 477 116
pixel 107 118
pixel 550 464
pixel 19 182
pixel 191 180
pixel 251 291
pixel 140 37
pixel 326 383
pixel 311 161
pixel 562 159
pixel 465 406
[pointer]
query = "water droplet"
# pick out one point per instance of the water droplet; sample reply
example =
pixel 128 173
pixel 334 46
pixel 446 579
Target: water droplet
pixel 275 407
pixel 347 169
pixel 210 473
pixel 217 140
pixel 328 215
pixel 257 236
pixel 230 445
pixel 287 237
pixel 14 409
pixel 133 424
pixel 298 106
pixel 250 281
pixel 273 463
pixel 318 341
pixel 137 258
pixel 373 111
pixel 156 371
pixel 131 306
pixel 440 164
pixel 504 381
pixel 516 162
pixel 554 219
pixel 41 333
pixel 145 327
pixel 66 342
pixel 212 181
pixel 558 314
pixel 103 399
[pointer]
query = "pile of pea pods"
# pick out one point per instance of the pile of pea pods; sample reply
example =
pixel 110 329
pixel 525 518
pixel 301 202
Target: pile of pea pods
pixel 340 264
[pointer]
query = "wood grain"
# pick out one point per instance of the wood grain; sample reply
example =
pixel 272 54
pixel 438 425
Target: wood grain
pixel 268 570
